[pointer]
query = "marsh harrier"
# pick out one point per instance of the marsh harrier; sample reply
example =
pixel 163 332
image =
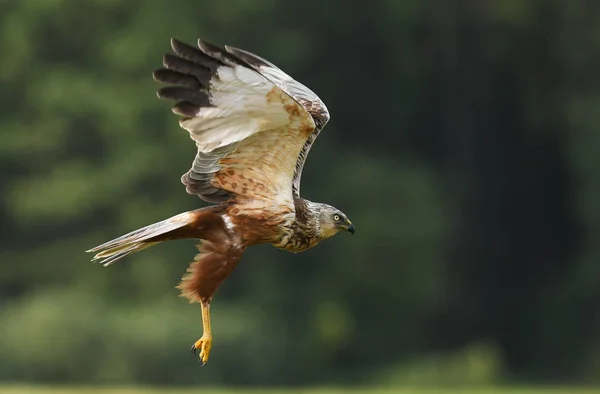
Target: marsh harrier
pixel 253 126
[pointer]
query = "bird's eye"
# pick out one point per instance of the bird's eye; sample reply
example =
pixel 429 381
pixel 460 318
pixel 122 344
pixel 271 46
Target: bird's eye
pixel 336 217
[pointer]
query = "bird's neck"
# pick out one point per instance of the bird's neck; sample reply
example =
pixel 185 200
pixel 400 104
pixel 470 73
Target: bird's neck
pixel 304 232
pixel 307 216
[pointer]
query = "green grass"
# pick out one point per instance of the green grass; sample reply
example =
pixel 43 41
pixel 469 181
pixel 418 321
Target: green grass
pixel 20 389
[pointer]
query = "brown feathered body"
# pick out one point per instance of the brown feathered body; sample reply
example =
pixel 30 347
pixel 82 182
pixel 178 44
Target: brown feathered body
pixel 226 231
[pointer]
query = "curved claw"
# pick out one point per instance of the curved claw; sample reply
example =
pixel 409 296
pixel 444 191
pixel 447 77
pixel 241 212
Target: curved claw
pixel 203 346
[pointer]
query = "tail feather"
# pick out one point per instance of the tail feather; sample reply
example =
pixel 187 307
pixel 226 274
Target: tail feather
pixel 135 241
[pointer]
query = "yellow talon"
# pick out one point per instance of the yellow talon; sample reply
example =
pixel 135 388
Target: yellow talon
pixel 204 344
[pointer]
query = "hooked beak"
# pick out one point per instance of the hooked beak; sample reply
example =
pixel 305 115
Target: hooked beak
pixel 350 229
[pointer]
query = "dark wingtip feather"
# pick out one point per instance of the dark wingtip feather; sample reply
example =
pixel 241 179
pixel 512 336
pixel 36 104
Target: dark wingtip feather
pixel 219 53
pixel 180 47
pixel 186 109
pixel 159 75
pixel 167 60
pixel 194 55
pixel 201 72
pixel 173 62
pixel 174 43
pixel 180 93
pixel 206 46
pixel 169 76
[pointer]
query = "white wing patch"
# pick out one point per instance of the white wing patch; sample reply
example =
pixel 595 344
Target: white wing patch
pixel 241 109
pixel 228 223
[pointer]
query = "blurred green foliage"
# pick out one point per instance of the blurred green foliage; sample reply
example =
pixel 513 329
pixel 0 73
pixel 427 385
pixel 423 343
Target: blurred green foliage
pixel 362 390
pixel 463 144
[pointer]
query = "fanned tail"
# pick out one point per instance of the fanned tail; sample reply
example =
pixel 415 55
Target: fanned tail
pixel 140 239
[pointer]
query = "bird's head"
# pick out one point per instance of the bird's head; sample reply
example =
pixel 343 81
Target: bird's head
pixel 331 221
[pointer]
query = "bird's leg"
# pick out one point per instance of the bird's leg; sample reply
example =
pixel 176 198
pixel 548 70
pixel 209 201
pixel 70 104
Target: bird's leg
pixel 204 344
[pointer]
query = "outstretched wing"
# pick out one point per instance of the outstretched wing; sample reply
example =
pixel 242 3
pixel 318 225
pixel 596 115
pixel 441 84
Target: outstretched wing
pixel 249 132
pixel 303 95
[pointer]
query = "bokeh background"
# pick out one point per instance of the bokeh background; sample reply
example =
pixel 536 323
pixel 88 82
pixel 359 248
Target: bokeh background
pixel 463 144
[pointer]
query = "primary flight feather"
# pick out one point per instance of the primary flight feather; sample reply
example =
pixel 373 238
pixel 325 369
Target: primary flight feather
pixel 253 126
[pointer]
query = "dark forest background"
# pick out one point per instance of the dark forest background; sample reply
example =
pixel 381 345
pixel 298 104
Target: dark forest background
pixel 463 144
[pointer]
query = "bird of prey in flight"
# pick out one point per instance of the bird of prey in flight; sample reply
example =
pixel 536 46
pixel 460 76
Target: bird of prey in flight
pixel 253 126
